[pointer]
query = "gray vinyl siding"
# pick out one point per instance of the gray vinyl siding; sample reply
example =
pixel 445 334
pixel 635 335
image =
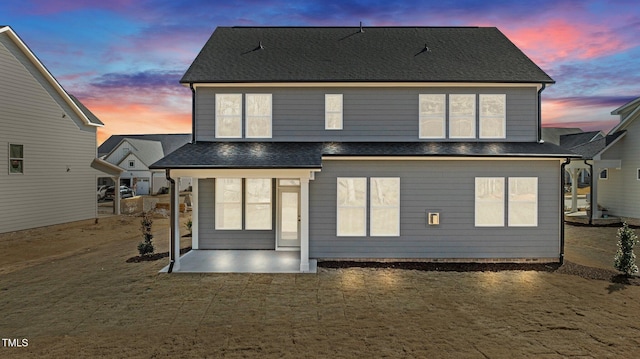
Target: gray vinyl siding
pixel 210 238
pixel 620 194
pixel 369 114
pixel 447 187
pixel 58 184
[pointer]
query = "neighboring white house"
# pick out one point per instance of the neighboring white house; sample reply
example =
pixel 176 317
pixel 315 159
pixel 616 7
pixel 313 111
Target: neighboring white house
pixel 134 154
pixel 47 145
pixel 619 192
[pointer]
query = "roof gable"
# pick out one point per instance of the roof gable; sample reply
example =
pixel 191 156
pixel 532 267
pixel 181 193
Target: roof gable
pixel 375 54
pixel 628 112
pixel 170 142
pixel 147 152
pixel 82 112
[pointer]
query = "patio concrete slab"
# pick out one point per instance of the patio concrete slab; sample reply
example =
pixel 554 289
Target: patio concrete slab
pixel 241 261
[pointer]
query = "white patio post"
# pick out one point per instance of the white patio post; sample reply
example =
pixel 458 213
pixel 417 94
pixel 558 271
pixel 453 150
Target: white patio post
pixel 176 223
pixel 304 224
pixel 574 189
pixel 116 195
pixel 194 213
pixel 595 178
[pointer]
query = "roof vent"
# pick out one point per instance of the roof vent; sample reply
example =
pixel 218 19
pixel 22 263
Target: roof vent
pixel 361 29
pixel 260 47
pixel 426 48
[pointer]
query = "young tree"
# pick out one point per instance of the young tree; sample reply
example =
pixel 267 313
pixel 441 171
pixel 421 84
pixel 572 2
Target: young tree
pixel 146 247
pixel 625 259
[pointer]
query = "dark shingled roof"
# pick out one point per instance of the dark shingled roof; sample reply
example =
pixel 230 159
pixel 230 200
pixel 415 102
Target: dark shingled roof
pixel 575 139
pixel 309 154
pixel 590 149
pixel 378 54
pixel 90 115
pixel 170 142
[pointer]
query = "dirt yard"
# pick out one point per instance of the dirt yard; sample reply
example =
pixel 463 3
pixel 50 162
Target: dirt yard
pixel 69 292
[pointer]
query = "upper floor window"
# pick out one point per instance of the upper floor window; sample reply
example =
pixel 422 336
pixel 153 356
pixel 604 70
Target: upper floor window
pixel 462 116
pixel 432 116
pixel 228 115
pixel 333 111
pixel 16 158
pixel 493 117
pixel 258 110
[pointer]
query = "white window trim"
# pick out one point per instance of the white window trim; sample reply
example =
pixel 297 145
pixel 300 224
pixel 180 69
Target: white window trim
pixel 249 117
pixel 218 117
pixel 372 207
pixel 364 207
pixel 247 225
pixel 512 203
pixel 475 117
pixel 479 204
pixel 443 118
pixel 15 159
pixel 638 174
pixel 217 201
pixel 326 112
pixel 504 118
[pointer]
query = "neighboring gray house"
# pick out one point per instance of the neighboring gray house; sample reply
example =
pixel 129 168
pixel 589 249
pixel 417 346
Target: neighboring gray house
pixel 47 145
pixel 370 143
pixel 134 154
pixel 616 158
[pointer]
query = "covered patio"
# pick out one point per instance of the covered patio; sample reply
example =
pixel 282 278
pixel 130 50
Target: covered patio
pixel 241 261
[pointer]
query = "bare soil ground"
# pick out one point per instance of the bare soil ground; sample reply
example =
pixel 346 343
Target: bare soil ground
pixel 69 291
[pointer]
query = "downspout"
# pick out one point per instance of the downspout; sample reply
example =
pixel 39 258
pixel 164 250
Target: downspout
pixel 590 191
pixel 544 86
pixel 172 206
pixel 562 184
pixel 193 113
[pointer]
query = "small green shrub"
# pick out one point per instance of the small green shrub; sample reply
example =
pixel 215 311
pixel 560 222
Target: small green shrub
pixel 625 259
pixel 146 246
pixel 189 225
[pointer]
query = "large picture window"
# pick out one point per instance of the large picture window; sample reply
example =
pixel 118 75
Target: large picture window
pixel 228 203
pixel 493 116
pixel 228 115
pixel 385 206
pixel 258 112
pixel 462 116
pixel 333 111
pixel 489 202
pixel 523 201
pixel 257 203
pixel 432 115
pixel 351 207
pixel 16 159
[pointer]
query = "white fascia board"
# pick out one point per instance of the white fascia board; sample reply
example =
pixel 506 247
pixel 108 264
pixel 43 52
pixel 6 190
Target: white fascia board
pixel 244 173
pixel 628 104
pixel 538 86
pixel 624 123
pixel 439 158
pixel 47 75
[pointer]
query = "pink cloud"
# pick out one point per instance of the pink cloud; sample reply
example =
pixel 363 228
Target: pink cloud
pixel 559 39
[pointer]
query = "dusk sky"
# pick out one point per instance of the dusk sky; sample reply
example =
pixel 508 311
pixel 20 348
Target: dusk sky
pixel 123 58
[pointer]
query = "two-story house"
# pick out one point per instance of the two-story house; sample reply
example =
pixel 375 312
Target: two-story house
pixel 48 164
pixel 418 143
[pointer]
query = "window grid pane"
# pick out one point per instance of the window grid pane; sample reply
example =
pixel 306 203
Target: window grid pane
pixel 432 116
pixel 462 116
pixel 489 202
pixel 385 206
pixel 351 216
pixel 333 111
pixel 228 203
pixel 258 203
pixel 258 108
pixel 228 115
pixel 493 116
pixel 523 201
pixel 16 158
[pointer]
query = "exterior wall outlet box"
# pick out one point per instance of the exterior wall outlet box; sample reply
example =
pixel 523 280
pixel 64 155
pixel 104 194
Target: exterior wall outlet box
pixel 433 218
